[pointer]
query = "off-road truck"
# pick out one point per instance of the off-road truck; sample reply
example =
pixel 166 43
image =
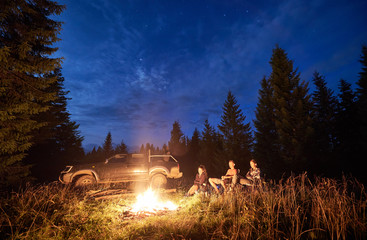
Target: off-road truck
pixel 152 169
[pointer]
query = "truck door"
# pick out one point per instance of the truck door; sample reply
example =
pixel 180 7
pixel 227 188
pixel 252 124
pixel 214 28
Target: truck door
pixel 116 168
pixel 137 167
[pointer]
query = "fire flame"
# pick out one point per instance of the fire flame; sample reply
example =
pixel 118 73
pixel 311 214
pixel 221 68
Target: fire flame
pixel 149 202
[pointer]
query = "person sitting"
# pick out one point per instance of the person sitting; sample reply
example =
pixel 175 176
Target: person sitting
pixel 252 176
pixel 226 179
pixel 200 181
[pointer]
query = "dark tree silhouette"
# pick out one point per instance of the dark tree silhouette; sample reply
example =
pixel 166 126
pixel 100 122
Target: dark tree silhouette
pixel 177 141
pixel 361 92
pixel 121 148
pixel 210 147
pixel 237 138
pixel 292 112
pixel 27 35
pixel 266 147
pixel 193 151
pixel 58 143
pixel 324 122
pixel 107 146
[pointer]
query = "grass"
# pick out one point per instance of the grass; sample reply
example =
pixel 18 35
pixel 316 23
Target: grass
pixel 294 208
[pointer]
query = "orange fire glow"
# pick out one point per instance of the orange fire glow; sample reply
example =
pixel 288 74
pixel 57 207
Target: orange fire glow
pixel 149 202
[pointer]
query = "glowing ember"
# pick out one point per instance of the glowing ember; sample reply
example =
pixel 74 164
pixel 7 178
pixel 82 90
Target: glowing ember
pixel 149 202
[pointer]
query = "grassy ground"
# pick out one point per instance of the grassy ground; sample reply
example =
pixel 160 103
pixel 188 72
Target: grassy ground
pixel 292 209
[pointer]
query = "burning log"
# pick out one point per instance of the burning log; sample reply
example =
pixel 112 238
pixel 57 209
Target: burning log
pixel 149 204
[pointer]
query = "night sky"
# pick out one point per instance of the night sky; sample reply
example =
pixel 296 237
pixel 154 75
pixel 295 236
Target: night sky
pixel 134 67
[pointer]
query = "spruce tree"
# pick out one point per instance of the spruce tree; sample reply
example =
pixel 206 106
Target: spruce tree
pixel 176 143
pixel 121 148
pixel 142 149
pixel 210 148
pixel 177 147
pixel 58 143
pixel 347 127
pixel 292 112
pixel 361 92
pixel 193 151
pixel 324 120
pixel 165 149
pixel 207 147
pixel 236 133
pixel 27 35
pixel 266 147
pixel 107 146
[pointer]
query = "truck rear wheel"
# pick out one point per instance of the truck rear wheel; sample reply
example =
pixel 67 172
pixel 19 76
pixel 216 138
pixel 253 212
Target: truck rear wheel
pixel 158 181
pixel 86 180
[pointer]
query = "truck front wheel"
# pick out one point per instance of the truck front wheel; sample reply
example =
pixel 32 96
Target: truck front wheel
pixel 84 181
pixel 158 181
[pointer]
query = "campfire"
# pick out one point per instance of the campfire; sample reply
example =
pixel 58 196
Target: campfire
pixel 147 204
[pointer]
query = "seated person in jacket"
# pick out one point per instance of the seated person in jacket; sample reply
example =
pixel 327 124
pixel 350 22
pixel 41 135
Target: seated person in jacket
pixel 226 179
pixel 200 179
pixel 252 175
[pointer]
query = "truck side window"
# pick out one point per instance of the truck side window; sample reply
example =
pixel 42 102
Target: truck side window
pixel 117 160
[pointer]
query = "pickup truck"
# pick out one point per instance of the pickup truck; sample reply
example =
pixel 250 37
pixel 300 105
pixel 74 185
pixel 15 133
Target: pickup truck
pixel 153 169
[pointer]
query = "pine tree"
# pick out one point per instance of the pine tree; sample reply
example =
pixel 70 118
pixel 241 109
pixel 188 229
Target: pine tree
pixel 107 146
pixel 59 142
pixel 176 143
pixel 236 134
pixel 292 112
pixel 27 35
pixel 266 147
pixel 347 127
pixel 121 148
pixel 361 92
pixel 193 151
pixel 324 119
pixel 142 149
pixel 210 147
pixel 362 81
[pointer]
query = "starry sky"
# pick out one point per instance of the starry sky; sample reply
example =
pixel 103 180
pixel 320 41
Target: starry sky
pixel 134 67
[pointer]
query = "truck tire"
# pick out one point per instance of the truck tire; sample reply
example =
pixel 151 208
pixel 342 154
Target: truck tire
pixel 85 180
pixel 158 181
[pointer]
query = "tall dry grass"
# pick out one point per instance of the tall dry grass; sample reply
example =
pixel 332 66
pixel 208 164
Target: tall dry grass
pixel 295 208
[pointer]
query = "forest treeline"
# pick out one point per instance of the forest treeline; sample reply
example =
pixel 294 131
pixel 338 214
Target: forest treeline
pixel 295 130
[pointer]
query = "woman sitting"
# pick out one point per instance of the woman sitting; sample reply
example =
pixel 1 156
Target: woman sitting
pixel 252 176
pixel 200 180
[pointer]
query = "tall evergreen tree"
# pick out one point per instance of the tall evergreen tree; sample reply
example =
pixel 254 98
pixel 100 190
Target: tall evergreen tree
pixel 59 142
pixel 292 111
pixel 236 133
pixel 107 146
pixel 165 149
pixel 266 147
pixel 210 147
pixel 121 148
pixel 27 35
pixel 193 152
pixel 361 92
pixel 177 147
pixel 362 81
pixel 176 143
pixel 324 120
pixel 142 149
pixel 347 127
